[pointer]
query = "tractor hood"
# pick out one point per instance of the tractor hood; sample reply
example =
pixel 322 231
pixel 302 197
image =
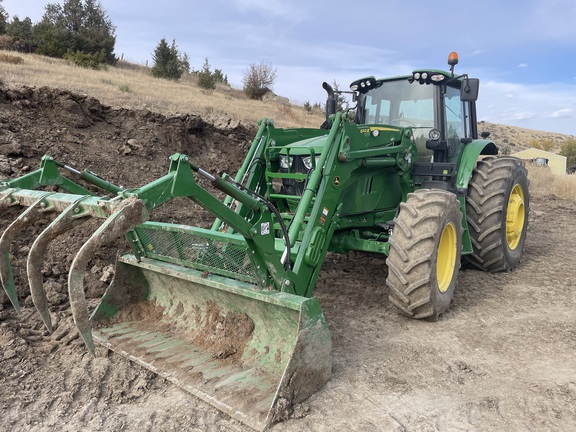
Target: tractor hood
pixel 305 147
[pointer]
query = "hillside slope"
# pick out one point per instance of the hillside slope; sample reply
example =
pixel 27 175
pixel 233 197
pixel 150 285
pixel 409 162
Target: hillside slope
pixel 130 85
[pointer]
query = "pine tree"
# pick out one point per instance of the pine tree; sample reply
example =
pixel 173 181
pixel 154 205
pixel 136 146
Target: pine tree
pixel 22 34
pixel 77 29
pixel 168 63
pixel 205 77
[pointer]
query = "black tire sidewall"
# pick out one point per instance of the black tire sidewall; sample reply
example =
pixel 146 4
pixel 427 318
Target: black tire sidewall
pixel 490 186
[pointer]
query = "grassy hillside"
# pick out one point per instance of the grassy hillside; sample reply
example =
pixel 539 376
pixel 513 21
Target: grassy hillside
pixel 132 86
pixel 517 138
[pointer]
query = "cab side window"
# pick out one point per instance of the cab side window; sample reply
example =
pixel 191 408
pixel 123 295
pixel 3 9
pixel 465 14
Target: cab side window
pixel 455 116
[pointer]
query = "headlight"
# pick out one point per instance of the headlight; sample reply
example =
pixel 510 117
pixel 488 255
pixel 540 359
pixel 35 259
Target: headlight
pixel 434 135
pixel 285 162
pixel 307 161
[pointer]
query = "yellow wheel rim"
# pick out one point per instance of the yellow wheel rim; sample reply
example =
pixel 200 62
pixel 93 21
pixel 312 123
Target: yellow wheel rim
pixel 515 217
pixel 447 251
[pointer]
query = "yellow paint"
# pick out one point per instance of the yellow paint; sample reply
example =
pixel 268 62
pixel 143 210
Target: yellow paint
pixel 446 260
pixel 515 217
pixel 382 128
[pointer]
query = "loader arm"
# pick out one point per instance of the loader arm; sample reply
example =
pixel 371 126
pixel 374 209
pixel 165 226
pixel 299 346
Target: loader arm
pixel 312 221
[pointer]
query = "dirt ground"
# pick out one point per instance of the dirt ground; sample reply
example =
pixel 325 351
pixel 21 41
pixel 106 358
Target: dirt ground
pixel 503 357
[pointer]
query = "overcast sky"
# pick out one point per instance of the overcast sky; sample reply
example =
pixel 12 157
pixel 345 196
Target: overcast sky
pixel 524 52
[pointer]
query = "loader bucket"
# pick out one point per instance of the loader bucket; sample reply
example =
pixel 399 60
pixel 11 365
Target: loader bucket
pixel 189 308
pixel 250 353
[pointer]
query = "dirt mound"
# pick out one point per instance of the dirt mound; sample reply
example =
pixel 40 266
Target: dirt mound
pixel 126 147
pixel 122 145
pixel 503 358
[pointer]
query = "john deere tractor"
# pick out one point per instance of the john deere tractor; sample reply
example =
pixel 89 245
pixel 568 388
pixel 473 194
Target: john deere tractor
pixel 228 313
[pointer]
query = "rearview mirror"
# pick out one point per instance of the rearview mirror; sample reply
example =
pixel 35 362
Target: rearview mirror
pixel 469 89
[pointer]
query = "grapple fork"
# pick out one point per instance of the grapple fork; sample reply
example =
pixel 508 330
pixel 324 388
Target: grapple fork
pixel 72 216
pixel 214 312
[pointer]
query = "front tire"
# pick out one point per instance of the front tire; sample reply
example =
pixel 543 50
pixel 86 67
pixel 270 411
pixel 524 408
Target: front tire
pixel 425 250
pixel 497 208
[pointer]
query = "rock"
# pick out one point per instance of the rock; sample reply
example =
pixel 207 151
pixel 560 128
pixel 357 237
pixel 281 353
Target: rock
pixel 8 354
pixel 273 97
pixel 5 166
pixel 107 274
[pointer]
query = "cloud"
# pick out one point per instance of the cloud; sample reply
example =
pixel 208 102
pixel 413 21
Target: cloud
pixel 275 8
pixel 523 115
pixel 522 65
pixel 562 113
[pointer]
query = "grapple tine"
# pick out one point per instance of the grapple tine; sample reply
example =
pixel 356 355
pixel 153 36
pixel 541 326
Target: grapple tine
pixel 131 213
pixel 68 219
pixel 32 214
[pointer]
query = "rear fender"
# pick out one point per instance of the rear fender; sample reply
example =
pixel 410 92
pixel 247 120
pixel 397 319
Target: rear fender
pixel 468 160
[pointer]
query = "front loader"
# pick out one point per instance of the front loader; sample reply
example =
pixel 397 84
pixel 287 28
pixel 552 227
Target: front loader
pixel 228 313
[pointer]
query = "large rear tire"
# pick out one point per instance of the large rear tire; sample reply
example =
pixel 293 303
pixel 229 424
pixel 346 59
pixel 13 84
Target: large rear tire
pixel 425 250
pixel 497 208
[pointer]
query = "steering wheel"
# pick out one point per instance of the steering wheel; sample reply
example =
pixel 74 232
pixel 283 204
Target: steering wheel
pixel 399 121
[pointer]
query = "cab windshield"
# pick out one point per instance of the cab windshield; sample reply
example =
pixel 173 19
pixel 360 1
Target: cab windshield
pixel 398 103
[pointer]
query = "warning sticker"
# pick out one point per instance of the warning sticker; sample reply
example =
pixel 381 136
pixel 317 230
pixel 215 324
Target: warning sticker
pixel 324 215
pixel 265 228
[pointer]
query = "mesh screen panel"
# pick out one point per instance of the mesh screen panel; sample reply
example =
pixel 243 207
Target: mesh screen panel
pixel 198 249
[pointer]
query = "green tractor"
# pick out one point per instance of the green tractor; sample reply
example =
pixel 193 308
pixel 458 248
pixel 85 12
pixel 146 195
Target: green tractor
pixel 228 313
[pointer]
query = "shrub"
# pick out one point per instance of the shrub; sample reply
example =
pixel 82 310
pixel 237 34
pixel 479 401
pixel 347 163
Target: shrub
pixel 259 79
pixel 87 60
pixel 545 144
pixel 569 150
pixel 7 58
pixel 5 42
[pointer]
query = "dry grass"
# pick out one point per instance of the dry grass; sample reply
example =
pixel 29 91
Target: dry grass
pixel 543 182
pixel 517 139
pixel 132 86
pixel 8 58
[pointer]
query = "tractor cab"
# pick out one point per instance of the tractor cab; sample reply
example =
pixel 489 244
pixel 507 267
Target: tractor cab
pixel 438 106
pixel 435 104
